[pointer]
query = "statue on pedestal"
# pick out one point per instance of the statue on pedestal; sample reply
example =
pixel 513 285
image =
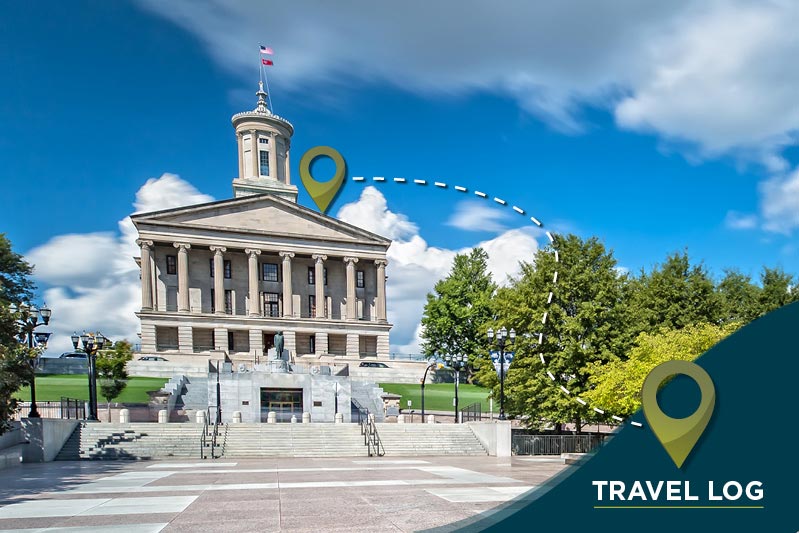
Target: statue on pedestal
pixel 279 342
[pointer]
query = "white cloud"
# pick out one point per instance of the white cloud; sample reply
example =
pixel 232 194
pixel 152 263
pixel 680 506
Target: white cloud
pixel 92 279
pixel 415 266
pixel 717 75
pixel 471 215
pixel 779 203
pixel 736 220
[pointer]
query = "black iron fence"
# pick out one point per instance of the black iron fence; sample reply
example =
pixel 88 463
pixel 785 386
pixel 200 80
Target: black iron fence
pixel 66 408
pixel 555 444
pixel 72 408
pixel 472 413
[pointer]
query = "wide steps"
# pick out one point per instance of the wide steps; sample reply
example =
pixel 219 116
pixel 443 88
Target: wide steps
pixel 429 439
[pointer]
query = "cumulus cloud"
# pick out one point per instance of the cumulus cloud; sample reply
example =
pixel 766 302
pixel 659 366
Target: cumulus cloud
pixel 718 75
pixel 736 220
pixel 779 203
pixel 415 266
pixel 474 215
pixel 92 280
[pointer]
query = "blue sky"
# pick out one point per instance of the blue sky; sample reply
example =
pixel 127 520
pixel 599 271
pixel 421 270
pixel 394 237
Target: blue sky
pixel 99 97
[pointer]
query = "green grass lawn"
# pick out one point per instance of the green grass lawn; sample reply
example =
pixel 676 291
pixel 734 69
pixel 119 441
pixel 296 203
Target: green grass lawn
pixel 438 396
pixel 52 387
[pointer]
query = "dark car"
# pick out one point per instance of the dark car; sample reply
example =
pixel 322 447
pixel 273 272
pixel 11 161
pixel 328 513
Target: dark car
pixel 152 358
pixel 73 355
pixel 371 364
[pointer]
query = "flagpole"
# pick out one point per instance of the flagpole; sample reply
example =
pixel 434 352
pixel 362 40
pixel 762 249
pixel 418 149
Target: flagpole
pixel 268 92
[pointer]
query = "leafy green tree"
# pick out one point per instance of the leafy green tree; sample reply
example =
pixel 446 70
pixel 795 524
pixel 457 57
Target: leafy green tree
pixel 587 322
pixel 112 371
pixel 617 384
pixel 778 289
pixel 456 314
pixel 738 298
pixel 674 295
pixel 15 370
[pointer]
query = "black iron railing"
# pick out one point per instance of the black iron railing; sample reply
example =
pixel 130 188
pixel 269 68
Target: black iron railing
pixel 72 408
pixel 472 412
pixel 555 444
pixel 371 439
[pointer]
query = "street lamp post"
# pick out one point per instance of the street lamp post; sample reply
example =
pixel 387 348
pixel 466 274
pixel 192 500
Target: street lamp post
pixel 457 363
pixel 27 322
pixel 430 364
pixel 92 343
pixel 502 336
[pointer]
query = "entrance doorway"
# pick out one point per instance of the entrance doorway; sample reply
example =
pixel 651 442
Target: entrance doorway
pixel 284 402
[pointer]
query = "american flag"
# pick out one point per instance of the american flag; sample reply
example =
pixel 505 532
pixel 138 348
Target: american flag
pixel 267 50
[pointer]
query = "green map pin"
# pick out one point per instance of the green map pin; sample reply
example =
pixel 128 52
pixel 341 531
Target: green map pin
pixel 678 435
pixel 322 192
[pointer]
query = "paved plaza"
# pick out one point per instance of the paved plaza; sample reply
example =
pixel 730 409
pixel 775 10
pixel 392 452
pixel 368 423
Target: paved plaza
pixel 353 494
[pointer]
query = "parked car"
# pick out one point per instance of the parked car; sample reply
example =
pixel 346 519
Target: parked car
pixel 73 355
pixel 151 358
pixel 372 364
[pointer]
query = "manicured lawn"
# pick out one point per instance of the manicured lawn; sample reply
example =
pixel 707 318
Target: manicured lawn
pixel 52 387
pixel 438 396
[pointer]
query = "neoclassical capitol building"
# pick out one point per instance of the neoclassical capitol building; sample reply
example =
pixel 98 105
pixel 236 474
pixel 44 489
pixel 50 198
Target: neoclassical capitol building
pixel 227 276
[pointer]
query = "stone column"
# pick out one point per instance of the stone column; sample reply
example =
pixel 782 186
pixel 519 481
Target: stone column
pixel 146 275
pixel 352 304
pixel 219 279
pixel 381 289
pixel 319 284
pixel 255 305
pixel 273 156
pixel 183 276
pixel 288 165
pixel 240 141
pixel 287 289
pixel 256 165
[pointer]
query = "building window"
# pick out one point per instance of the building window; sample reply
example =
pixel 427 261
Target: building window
pixel 213 301
pixel 269 271
pixel 271 304
pixel 264 162
pixel 312 344
pixel 228 269
pixel 171 264
pixel 312 305
pixel 311 275
pixel 211 264
pixel 263 140
pixel 359 280
pixel 325 274
pixel 230 344
pixel 229 302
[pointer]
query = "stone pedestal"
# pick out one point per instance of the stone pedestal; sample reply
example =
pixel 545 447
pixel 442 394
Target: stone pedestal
pixel 271 417
pixel 306 418
pixel 339 418
pixel 199 417
pixel 124 416
pixel 431 419
pixel 237 417
pixel 163 416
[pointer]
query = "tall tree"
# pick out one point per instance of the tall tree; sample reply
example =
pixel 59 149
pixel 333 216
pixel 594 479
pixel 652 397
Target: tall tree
pixel 778 289
pixel 15 287
pixel 674 295
pixel 456 313
pixel 738 298
pixel 587 322
pixel 112 371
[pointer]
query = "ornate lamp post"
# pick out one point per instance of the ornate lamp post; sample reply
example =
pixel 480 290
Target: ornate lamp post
pixel 502 337
pixel 92 343
pixel 457 363
pixel 27 322
pixel 432 363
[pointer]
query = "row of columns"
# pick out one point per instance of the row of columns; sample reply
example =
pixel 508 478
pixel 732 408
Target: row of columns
pixel 255 155
pixel 253 281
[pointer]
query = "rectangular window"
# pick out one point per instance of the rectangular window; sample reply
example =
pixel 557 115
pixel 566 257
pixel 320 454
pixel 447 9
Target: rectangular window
pixel 171 264
pixel 228 269
pixel 359 279
pixel 264 155
pixel 230 344
pixel 312 344
pixel 211 264
pixel 263 140
pixel 269 271
pixel 312 305
pixel 311 275
pixel 229 302
pixel 271 304
pixel 213 301
pixel 325 274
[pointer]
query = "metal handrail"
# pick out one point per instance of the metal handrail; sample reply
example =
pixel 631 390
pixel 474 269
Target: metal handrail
pixel 203 440
pixel 371 439
pixel 214 434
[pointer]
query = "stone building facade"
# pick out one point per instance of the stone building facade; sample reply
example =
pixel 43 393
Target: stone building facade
pixel 226 276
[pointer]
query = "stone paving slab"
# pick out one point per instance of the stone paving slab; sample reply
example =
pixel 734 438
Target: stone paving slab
pixel 291 494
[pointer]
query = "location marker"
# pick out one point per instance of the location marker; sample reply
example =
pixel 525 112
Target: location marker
pixel 678 435
pixel 322 192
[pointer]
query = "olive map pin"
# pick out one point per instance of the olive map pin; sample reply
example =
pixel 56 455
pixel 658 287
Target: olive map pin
pixel 678 435
pixel 322 192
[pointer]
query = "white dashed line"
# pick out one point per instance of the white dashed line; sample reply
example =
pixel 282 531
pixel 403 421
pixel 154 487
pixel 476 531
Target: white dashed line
pixel 480 194
pixel 460 189
pixel 358 178
pixel 399 180
pixel 500 201
pixel 420 182
pixel 536 222
pixel 439 184
pixel 379 178
pixel 518 210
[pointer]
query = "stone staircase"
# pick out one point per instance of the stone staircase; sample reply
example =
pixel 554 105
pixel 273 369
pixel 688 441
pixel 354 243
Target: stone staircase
pixel 294 440
pixel 132 441
pixel 193 397
pixel 429 439
pixel 369 396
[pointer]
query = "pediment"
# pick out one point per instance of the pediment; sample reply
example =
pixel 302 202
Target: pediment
pixel 264 214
